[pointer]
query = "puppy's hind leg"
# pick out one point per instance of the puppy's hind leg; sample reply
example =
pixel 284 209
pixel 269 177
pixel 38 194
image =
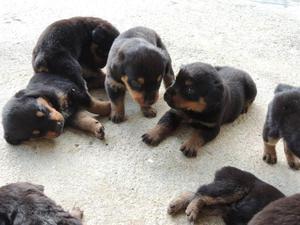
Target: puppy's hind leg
pixel 86 122
pixel 214 195
pixel 291 158
pixel 180 203
pixel 270 142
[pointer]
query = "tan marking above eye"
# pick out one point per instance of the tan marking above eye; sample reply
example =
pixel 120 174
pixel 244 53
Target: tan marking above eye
pixel 36 132
pixel 159 78
pixel 40 114
pixel 141 80
pixel 188 82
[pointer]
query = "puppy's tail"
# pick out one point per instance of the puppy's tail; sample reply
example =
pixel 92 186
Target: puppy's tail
pixel 39 63
pixel 282 87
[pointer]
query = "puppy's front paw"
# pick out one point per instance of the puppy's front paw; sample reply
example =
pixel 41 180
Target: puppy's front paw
pixel 116 117
pixel 270 158
pixel 149 112
pixel 151 138
pixel 191 147
pixel 99 131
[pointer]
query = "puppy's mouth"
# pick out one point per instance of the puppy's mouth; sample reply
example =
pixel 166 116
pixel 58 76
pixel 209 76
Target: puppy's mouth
pixel 56 132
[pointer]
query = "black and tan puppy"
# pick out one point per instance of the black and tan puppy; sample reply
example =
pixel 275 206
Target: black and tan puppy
pixel 26 204
pixel 283 121
pixel 205 97
pixel 67 52
pixel 138 61
pixel 284 211
pixel 76 48
pixel 234 194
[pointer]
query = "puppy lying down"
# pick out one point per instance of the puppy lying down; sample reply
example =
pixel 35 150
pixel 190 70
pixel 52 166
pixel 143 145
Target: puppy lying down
pixel 68 57
pixel 26 204
pixel 204 97
pixel 234 194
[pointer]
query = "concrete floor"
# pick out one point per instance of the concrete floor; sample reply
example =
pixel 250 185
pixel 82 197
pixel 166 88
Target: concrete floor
pixel 121 180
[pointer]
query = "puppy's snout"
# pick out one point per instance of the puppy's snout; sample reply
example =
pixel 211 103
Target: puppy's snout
pixel 59 126
pixel 151 98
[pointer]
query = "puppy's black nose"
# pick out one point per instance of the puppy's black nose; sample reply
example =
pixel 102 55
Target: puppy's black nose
pixel 59 126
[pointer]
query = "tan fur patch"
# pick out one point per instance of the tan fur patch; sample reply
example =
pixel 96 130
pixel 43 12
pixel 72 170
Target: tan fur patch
pixel 197 106
pixel 141 80
pixel 42 69
pixel 51 134
pixel 114 84
pixel 40 114
pixel 137 96
pixel 272 141
pixel 188 82
pixel 54 114
pixel 159 78
pixel 291 158
pixel 102 108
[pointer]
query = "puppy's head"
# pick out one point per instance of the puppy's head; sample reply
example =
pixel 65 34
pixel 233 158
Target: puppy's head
pixel 26 117
pixel 103 37
pixel 143 67
pixel 197 88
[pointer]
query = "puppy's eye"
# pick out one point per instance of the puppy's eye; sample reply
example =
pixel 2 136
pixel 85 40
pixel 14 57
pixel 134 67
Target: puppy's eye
pixel 135 84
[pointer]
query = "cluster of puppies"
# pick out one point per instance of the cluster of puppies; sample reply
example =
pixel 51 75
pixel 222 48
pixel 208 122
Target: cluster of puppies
pixel 68 60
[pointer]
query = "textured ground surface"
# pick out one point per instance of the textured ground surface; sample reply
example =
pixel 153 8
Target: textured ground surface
pixel 123 181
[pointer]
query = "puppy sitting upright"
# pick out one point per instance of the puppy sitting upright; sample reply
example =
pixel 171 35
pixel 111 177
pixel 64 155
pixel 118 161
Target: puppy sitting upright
pixel 205 97
pixel 283 121
pixel 234 194
pixel 26 204
pixel 138 61
pixel 67 52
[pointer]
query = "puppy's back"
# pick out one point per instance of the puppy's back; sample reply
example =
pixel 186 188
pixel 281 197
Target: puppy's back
pixel 285 211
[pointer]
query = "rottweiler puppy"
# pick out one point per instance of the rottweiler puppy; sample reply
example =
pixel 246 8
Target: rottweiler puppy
pixel 76 48
pixel 284 211
pixel 138 61
pixel 49 102
pixel 67 53
pixel 283 121
pixel 205 97
pixel 235 195
pixel 26 204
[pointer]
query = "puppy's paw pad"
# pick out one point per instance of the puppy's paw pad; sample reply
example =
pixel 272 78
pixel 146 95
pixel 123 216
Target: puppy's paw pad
pixel 99 131
pixel 270 158
pixel 77 213
pixel 149 112
pixel 151 138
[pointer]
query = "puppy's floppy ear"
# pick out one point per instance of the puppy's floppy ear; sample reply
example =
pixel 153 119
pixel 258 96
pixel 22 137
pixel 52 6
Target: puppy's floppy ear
pixel 20 93
pixel 104 35
pixel 118 62
pixel 282 87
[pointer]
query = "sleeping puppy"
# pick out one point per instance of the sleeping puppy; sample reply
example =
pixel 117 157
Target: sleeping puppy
pixel 76 48
pixel 283 121
pixel 205 97
pixel 138 61
pixel 67 52
pixel 285 211
pixel 234 194
pixel 26 204
pixel 49 102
